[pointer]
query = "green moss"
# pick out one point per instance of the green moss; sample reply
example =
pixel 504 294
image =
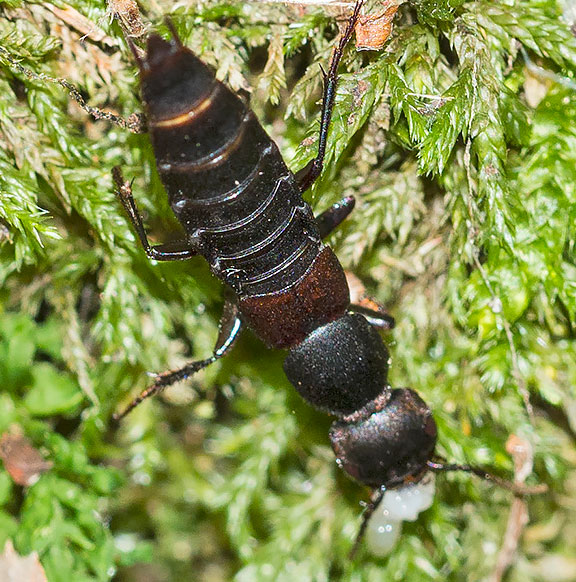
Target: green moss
pixel 459 142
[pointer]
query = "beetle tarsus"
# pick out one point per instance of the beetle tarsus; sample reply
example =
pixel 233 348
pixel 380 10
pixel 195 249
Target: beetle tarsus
pixel 174 251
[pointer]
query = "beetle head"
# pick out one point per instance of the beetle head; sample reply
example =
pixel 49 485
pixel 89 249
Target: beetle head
pixel 388 442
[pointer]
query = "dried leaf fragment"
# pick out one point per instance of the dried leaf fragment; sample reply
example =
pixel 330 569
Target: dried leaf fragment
pixel 16 568
pixel 128 14
pixel 23 462
pixel 373 30
pixel 79 22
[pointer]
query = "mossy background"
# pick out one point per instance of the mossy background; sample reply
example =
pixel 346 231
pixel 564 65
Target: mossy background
pixel 459 142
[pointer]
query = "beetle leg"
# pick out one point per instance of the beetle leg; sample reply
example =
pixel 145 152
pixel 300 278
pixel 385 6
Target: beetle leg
pixel 375 317
pixel 377 496
pixel 309 173
pixel 230 327
pixel 335 215
pixel 364 304
pixel 174 251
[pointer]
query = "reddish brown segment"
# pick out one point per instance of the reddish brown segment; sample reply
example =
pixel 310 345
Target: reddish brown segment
pixel 284 319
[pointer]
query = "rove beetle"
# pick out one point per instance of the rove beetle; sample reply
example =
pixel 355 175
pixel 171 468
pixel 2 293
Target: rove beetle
pixel 242 210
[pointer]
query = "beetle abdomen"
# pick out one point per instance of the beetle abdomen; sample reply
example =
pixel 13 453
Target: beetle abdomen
pixel 225 178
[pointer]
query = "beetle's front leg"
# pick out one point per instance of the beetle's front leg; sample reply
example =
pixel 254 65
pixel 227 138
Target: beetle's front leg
pixel 374 316
pixel 362 303
pixel 175 251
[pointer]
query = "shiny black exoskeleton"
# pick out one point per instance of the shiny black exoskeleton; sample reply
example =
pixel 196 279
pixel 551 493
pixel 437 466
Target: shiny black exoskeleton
pixel 242 209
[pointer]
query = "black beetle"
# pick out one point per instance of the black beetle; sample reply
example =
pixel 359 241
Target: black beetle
pixel 242 210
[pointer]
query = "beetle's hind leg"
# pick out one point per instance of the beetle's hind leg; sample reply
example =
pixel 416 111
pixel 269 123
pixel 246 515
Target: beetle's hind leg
pixel 175 251
pixel 230 328
pixel 307 176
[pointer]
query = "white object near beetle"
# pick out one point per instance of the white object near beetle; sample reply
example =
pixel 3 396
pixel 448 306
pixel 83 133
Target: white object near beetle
pixel 398 505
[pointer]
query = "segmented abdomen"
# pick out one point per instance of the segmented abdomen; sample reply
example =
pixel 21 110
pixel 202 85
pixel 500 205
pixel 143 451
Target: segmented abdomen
pixel 225 178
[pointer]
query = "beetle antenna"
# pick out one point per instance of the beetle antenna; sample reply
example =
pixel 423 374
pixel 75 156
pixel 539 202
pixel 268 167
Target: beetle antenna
pixel 518 489
pixel 377 497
